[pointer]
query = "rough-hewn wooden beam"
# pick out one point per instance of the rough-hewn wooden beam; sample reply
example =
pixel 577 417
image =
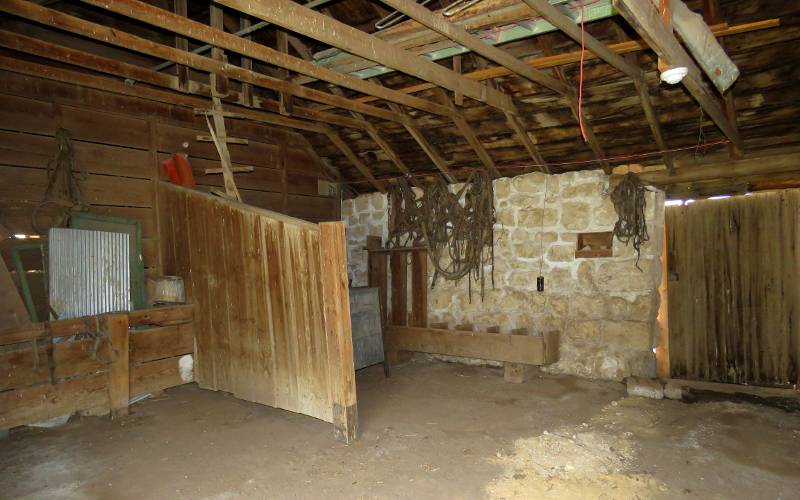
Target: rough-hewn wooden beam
pixel 720 30
pixel 373 132
pixel 307 22
pixel 429 149
pixel 785 163
pixel 526 141
pixel 179 7
pixel 459 35
pixel 355 160
pixel 125 40
pixel 702 44
pixel 572 30
pixel 94 62
pixel 499 56
pixel 644 18
pixel 149 14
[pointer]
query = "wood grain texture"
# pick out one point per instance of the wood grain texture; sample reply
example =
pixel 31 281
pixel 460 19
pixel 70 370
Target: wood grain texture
pixel 734 307
pixel 482 345
pixel 257 278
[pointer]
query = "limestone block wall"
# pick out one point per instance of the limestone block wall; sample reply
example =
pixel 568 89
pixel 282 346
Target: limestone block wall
pixel 605 308
pixel 364 216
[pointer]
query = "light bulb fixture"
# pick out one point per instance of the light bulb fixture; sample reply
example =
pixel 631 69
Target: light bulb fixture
pixel 674 75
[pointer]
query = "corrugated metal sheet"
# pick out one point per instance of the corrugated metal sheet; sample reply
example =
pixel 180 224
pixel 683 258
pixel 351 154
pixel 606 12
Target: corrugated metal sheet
pixel 89 272
pixel 365 318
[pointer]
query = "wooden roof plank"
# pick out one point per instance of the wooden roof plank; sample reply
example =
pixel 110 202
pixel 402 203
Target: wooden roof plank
pixel 320 27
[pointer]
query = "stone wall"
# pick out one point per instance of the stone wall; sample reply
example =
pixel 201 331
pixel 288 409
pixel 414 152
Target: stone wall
pixel 605 308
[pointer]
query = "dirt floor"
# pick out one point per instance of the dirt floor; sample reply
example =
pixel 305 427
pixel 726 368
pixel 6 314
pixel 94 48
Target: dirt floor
pixel 433 430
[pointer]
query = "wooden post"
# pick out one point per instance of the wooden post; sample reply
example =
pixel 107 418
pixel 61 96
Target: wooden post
pixel 376 273
pixel 399 265
pixel 517 373
pixel 662 349
pixel 419 288
pixel 116 326
pixel 338 331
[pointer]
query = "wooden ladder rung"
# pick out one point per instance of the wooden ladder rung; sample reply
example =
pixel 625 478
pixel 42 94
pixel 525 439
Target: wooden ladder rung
pixel 229 140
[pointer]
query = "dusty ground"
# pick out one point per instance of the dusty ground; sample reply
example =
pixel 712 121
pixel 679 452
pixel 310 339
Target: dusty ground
pixel 434 430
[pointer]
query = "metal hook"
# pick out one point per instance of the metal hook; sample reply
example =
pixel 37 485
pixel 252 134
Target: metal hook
pixel 395 17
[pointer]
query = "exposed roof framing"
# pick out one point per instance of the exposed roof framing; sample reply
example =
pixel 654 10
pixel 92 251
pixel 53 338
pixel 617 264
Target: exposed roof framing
pixel 625 65
pixel 626 47
pixel 141 11
pixel 307 22
pixel 532 123
pixel 644 18
pixel 499 56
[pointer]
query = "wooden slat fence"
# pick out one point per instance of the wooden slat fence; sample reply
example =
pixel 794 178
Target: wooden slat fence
pixel 734 294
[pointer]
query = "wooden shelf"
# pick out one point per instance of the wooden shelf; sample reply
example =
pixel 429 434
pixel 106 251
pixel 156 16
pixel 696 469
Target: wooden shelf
pixel 595 245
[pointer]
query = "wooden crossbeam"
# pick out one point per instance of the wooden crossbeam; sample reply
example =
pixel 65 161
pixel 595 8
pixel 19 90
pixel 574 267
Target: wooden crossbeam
pixel 59 20
pixel 625 64
pixel 372 131
pixel 307 22
pixel 429 149
pixel 526 141
pixel 355 160
pixel 502 57
pixel 719 30
pixel 644 18
pixel 459 35
pixel 166 20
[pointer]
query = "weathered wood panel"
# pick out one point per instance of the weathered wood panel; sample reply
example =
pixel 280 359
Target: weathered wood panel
pixel 528 349
pixel 90 362
pixel 734 303
pixel 257 278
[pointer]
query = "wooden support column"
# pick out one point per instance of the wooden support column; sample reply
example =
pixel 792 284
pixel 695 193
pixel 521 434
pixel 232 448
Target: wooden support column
pixel 517 373
pixel 116 327
pixel 181 43
pixel 419 288
pixel 336 300
pixel 246 97
pixel 399 265
pixel 377 276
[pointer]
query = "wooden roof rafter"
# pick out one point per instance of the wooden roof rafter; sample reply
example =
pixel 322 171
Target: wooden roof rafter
pixel 643 16
pixel 441 25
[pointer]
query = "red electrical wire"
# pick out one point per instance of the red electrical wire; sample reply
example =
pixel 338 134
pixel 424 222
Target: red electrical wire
pixel 580 83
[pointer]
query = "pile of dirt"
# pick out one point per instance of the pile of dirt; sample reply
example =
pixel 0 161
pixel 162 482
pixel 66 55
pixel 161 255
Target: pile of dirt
pixel 572 462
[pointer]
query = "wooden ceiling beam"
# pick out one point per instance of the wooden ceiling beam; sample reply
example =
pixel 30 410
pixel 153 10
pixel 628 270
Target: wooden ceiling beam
pixel 429 149
pixel 60 20
pixel 624 64
pixel 644 18
pixel 66 55
pixel 342 146
pixel 320 27
pixel 161 18
pixel 719 30
pixel 772 164
pixel 459 35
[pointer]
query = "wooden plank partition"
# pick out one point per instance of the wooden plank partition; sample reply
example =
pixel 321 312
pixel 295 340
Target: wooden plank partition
pixel 92 363
pixel 734 302
pixel 273 322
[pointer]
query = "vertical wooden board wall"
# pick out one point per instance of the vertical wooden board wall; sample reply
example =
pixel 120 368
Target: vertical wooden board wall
pixel 256 277
pixel 734 307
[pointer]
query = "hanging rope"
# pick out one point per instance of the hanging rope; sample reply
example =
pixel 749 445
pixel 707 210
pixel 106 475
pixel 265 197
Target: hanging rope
pixel 62 185
pixel 457 228
pixel 629 203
